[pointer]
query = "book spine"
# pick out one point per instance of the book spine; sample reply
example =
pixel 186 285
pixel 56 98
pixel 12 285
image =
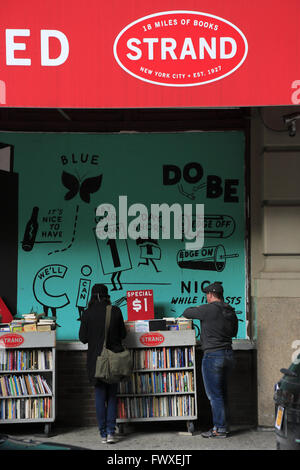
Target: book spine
pixel 25 360
pixel 29 408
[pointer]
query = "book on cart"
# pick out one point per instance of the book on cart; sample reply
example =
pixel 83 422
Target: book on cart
pixel 29 322
pixel 45 324
pixel 163 382
pixel 27 376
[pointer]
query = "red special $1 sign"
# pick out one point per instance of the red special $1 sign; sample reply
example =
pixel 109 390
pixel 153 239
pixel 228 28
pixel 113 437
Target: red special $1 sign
pixel 180 48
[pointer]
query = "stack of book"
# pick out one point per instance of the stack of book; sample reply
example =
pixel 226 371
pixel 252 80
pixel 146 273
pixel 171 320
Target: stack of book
pixel 184 324
pixel 45 324
pixel 166 323
pixel 178 323
pixel 16 325
pixel 29 322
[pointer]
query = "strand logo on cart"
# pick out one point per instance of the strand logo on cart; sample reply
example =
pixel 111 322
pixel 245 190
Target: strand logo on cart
pixel 152 339
pixel 180 48
pixel 11 340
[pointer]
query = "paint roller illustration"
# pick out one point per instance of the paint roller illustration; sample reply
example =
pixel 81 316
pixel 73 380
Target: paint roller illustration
pixel 214 226
pixel 210 258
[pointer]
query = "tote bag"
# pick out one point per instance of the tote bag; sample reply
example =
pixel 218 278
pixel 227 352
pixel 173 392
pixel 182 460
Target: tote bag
pixel 112 367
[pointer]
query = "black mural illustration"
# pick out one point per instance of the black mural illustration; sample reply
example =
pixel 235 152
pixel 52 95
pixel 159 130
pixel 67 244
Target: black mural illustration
pixel 192 173
pixel 210 258
pixel 218 226
pixel 149 251
pixel 48 288
pixel 51 226
pixel 121 301
pixel 114 257
pixel 195 189
pixel 116 276
pixel 200 187
pixel 192 183
pixel 182 191
pixel 73 234
pixel 47 226
pixel 31 230
pixel 43 294
pixel 83 290
pixel 215 226
pixel 118 254
pixel 85 188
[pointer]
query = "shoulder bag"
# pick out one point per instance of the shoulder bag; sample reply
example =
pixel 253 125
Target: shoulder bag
pixel 112 367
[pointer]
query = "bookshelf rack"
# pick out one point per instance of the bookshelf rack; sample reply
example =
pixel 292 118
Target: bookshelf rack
pixel 163 384
pixel 27 378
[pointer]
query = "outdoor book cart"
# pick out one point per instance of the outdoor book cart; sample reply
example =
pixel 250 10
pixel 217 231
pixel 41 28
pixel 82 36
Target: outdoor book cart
pixel 163 384
pixel 27 377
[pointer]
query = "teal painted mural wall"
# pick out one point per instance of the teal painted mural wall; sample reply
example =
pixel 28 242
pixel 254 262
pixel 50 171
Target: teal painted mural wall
pixel 67 176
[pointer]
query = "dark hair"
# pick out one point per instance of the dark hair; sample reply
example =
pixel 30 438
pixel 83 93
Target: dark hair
pixel 97 298
pixel 218 295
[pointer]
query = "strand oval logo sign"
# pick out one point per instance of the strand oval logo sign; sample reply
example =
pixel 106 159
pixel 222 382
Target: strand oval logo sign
pixel 180 48
pixel 11 340
pixel 152 339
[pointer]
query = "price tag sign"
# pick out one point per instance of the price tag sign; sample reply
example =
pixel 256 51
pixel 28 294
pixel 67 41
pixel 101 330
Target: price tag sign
pixel 140 305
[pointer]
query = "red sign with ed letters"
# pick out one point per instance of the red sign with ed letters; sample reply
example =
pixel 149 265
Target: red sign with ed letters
pixel 69 54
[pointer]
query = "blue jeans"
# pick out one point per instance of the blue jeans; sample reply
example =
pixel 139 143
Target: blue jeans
pixel 106 407
pixel 216 367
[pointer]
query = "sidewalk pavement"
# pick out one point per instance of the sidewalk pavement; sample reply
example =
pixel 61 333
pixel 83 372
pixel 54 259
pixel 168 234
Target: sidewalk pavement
pixel 162 437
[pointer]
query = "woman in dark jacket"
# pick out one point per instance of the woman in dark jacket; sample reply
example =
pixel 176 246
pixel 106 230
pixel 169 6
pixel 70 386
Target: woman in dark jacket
pixel 92 331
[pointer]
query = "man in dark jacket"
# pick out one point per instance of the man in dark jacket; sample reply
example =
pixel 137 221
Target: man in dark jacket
pixel 92 332
pixel 218 358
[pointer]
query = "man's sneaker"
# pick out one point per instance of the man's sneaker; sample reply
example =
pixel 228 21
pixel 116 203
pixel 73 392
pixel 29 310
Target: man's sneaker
pixel 214 433
pixel 111 439
pixel 104 440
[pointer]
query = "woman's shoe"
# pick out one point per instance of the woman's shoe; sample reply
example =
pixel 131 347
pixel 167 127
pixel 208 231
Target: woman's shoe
pixel 111 439
pixel 214 433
